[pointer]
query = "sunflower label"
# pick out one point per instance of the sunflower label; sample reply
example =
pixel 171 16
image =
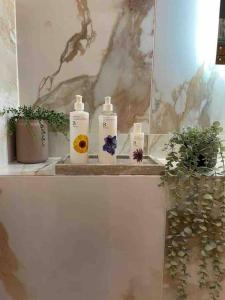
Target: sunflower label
pixel 79 128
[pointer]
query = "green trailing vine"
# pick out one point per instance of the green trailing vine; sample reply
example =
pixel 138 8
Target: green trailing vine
pixel 196 216
pixel 58 122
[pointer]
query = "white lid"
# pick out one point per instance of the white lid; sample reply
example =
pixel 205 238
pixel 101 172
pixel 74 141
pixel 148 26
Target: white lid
pixel 137 128
pixel 108 105
pixel 79 105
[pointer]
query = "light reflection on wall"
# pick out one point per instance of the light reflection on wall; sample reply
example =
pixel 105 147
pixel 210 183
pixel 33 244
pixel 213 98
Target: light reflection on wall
pixel 207 31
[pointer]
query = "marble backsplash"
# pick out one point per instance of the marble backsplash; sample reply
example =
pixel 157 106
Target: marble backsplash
pixel 94 48
pixel 188 88
pixel 97 48
pixel 8 74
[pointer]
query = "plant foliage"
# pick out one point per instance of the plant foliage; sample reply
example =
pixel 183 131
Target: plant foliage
pixel 196 216
pixel 58 122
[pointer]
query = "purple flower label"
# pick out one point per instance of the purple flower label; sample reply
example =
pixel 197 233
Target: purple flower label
pixel 138 155
pixel 110 144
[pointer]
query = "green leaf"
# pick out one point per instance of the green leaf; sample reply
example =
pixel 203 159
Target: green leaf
pixel 169 237
pixel 207 197
pixel 174 244
pixel 203 253
pixel 222 195
pixel 199 220
pixel 174 213
pixel 220 249
pixel 210 246
pixel 181 253
pixel 216 124
pixel 167 265
pixel 218 224
pixel 202 227
pixel 188 230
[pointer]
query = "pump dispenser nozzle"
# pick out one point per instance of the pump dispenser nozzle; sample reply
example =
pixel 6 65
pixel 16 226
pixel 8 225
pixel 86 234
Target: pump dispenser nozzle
pixel 79 105
pixel 108 107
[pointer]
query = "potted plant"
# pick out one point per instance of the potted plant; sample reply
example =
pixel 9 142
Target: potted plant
pixel 196 214
pixel 30 124
pixel 197 148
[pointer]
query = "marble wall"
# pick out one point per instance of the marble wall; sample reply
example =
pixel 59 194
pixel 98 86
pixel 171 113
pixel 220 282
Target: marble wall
pixel 188 88
pixel 8 73
pixel 99 48
pixel 89 47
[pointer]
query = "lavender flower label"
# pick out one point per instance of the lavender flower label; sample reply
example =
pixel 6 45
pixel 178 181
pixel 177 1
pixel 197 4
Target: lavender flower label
pixel 110 144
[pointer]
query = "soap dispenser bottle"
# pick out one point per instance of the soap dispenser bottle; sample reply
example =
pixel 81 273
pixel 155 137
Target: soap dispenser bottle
pixel 107 134
pixel 79 129
pixel 137 144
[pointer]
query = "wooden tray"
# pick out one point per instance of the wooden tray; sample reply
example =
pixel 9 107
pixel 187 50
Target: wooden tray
pixel 123 167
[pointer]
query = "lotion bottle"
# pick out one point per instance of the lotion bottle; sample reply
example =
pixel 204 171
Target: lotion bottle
pixel 137 144
pixel 79 129
pixel 107 134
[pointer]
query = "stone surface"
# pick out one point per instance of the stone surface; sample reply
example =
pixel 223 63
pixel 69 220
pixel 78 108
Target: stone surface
pixel 188 88
pixel 14 168
pixel 8 74
pixel 55 64
pixel 86 238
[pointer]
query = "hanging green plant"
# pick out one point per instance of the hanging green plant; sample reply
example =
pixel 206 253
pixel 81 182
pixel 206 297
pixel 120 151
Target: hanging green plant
pixel 58 122
pixel 196 216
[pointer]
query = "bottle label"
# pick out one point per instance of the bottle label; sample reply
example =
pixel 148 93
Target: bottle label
pixel 79 137
pixel 78 122
pixel 80 143
pixel 137 142
pixel 137 147
pixel 108 135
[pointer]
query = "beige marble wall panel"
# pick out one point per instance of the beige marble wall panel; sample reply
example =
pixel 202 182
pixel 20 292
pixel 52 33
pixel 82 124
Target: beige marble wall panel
pixel 188 87
pixel 86 238
pixel 8 73
pixel 94 48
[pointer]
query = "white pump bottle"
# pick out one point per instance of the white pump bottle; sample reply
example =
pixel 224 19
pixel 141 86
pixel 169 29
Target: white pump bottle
pixel 137 144
pixel 107 134
pixel 79 130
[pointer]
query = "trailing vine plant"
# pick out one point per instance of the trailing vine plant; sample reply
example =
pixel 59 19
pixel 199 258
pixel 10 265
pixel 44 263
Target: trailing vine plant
pixel 58 122
pixel 196 216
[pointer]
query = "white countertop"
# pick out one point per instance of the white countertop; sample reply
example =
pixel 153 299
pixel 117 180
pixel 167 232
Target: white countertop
pixel 45 169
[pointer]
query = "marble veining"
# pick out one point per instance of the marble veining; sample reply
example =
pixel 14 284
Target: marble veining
pixel 8 75
pixel 122 69
pixel 189 106
pixel 9 266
